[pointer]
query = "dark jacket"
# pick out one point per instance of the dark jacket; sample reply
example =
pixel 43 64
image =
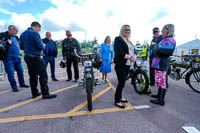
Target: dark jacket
pixel 121 49
pixel 46 51
pixel 31 42
pixel 151 53
pixel 4 36
pixel 68 47
pixel 163 51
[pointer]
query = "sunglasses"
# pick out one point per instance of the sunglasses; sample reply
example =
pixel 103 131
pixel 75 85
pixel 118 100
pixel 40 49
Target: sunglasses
pixel 69 34
pixel 155 32
pixel 127 29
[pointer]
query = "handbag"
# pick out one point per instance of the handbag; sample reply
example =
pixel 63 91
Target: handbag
pixel 155 62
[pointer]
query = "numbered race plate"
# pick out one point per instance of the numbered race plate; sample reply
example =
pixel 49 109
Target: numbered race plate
pixel 88 63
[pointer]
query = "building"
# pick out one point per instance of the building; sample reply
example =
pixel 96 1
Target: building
pixel 192 47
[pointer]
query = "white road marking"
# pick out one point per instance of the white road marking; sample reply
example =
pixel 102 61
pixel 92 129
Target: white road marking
pixel 142 107
pixel 190 129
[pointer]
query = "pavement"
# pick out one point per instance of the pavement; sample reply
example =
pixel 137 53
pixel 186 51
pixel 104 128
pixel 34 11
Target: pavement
pixel 68 113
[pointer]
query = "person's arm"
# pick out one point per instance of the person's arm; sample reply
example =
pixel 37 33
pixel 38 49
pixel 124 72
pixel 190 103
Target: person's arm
pixel 21 42
pixel 38 41
pixel 78 47
pixel 56 48
pixel 45 50
pixel 102 51
pixel 164 48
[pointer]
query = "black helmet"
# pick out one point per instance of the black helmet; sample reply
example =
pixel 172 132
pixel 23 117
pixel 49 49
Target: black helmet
pixel 62 64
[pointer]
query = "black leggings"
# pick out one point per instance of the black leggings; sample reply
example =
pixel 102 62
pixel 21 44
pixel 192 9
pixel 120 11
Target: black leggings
pixel 122 73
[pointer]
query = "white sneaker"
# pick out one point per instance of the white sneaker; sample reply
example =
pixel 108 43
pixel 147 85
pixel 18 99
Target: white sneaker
pixel 103 82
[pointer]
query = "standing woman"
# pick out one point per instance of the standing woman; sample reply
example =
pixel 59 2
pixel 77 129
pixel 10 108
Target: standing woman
pixel 107 58
pixel 124 55
pixel 161 61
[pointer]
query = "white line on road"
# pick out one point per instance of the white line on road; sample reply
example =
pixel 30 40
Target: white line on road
pixel 190 129
pixel 142 107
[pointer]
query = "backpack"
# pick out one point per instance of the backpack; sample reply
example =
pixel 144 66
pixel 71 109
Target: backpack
pixel 4 45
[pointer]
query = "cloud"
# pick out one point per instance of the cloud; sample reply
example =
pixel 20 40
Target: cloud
pixel 21 1
pixel 49 25
pixel 161 14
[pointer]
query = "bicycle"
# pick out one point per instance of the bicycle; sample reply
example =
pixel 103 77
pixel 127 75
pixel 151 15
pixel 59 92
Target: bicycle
pixel 191 73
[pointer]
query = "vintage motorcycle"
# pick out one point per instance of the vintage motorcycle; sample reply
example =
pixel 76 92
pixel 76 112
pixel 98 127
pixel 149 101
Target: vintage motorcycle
pixel 188 69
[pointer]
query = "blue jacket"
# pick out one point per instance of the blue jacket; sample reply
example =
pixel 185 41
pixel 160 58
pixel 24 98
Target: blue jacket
pixel 163 51
pixel 31 42
pixel 14 50
pixel 106 52
pixel 151 53
pixel 51 48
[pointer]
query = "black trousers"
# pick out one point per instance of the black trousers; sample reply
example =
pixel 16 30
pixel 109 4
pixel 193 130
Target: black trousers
pixel 37 68
pixel 151 73
pixel 73 61
pixel 122 73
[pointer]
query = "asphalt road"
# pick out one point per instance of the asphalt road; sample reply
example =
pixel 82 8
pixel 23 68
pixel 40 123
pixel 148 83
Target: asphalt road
pixel 19 113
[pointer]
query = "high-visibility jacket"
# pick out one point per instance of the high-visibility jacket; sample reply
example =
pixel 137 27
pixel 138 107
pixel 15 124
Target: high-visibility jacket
pixel 144 52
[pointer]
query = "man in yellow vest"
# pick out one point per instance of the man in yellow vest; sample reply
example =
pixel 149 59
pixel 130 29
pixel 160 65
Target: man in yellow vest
pixel 145 52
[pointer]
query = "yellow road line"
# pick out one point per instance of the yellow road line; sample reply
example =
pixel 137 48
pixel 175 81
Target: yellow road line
pixel 72 112
pixel 35 99
pixel 77 108
pixel 27 78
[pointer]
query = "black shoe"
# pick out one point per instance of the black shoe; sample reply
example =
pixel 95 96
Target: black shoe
pixel 161 97
pixel 34 96
pixel 68 80
pixel 120 105
pixel 15 90
pixel 54 79
pixel 123 101
pixel 49 96
pixel 24 86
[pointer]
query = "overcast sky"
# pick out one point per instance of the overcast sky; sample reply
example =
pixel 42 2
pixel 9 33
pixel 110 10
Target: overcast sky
pixel 99 18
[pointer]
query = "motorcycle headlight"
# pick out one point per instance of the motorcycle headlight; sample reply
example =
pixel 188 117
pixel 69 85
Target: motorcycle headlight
pixel 88 69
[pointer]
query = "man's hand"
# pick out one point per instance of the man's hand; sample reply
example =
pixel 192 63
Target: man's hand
pixel 133 59
pixel 9 41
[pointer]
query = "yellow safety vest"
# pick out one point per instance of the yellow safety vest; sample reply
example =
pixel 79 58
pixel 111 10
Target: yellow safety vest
pixel 144 52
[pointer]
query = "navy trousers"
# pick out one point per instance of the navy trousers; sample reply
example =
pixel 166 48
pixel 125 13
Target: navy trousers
pixel 51 60
pixel 13 64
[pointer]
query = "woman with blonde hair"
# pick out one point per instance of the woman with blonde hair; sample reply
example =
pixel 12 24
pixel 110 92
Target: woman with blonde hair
pixel 161 61
pixel 106 56
pixel 124 56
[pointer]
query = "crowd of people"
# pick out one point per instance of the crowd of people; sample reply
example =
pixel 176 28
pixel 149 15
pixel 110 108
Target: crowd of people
pixel 39 52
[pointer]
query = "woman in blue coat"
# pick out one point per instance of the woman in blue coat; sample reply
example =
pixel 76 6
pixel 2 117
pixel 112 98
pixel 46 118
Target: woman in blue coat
pixel 107 58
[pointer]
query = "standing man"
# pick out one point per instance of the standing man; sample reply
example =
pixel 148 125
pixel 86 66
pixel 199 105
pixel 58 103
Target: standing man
pixel 50 53
pixel 155 41
pixel 12 60
pixel 144 52
pixel 69 46
pixel 33 48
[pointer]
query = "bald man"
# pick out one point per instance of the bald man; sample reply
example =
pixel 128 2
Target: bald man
pixel 12 60
pixel 50 53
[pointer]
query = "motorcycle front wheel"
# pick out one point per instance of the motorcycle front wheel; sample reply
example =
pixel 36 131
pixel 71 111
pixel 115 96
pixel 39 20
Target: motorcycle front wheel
pixel 140 81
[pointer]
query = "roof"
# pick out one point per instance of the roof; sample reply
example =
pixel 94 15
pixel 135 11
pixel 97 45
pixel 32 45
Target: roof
pixel 192 44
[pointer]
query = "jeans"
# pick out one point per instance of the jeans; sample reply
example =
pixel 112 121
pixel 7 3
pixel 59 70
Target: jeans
pixel 51 60
pixel 75 65
pixel 37 67
pixel 122 73
pixel 11 64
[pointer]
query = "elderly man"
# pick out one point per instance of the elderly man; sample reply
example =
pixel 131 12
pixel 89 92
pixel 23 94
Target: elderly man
pixel 50 53
pixel 12 60
pixel 69 46
pixel 33 48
